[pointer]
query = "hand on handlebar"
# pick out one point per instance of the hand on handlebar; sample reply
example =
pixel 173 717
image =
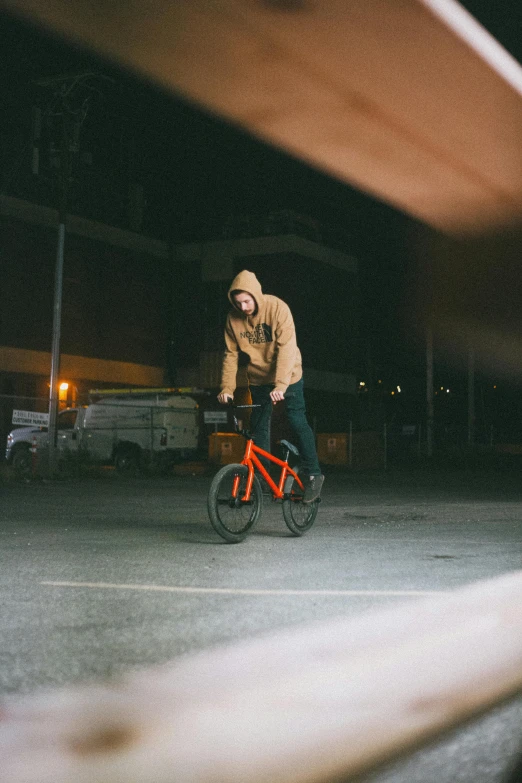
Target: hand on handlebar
pixel 275 396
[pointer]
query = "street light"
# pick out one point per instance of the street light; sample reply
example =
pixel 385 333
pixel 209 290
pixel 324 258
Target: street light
pixel 70 101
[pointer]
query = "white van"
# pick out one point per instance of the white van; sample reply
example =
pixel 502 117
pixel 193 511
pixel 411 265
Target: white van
pixel 125 431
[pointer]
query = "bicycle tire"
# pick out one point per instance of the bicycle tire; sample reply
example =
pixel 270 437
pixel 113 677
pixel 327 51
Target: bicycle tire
pixel 299 517
pixel 232 519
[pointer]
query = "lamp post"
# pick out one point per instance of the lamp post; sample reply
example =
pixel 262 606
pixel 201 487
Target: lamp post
pixel 71 122
pixel 65 173
pixel 70 105
pixel 471 396
pixel 429 393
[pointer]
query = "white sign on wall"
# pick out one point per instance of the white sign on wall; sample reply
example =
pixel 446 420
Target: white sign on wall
pixel 215 417
pixel 31 418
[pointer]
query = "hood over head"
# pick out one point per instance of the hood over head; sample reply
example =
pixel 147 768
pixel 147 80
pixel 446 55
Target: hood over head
pixel 248 282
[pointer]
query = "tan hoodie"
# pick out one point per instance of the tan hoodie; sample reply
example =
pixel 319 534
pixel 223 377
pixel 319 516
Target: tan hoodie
pixel 268 337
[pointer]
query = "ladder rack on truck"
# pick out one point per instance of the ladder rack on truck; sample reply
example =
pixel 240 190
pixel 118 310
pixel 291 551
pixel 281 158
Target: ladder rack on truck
pixel 146 392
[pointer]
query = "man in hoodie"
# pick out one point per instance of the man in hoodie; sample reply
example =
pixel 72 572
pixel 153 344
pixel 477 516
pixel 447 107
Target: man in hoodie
pixel 262 326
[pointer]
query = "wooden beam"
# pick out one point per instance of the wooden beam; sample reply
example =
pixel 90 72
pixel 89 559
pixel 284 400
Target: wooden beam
pixel 413 102
pixel 306 705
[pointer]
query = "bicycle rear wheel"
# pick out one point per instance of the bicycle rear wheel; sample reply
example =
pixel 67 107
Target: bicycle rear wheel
pixel 231 517
pixel 299 517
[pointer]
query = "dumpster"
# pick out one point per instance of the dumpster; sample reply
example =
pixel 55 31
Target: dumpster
pixel 332 448
pixel 225 447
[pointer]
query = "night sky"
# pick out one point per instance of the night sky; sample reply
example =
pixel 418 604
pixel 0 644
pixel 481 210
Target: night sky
pixel 197 171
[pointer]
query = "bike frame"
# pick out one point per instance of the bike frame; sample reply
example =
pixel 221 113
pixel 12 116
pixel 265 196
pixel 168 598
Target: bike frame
pixel 252 462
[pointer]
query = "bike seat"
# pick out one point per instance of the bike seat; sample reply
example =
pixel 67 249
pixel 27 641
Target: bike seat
pixel 290 447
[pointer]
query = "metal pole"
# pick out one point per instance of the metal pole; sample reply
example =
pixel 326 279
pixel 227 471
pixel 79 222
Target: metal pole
pixel 471 396
pixel 151 457
pixel 55 351
pixel 429 393
pixel 69 144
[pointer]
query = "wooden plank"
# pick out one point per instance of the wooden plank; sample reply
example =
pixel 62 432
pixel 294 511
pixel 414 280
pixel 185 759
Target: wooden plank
pixel 412 101
pixel 303 706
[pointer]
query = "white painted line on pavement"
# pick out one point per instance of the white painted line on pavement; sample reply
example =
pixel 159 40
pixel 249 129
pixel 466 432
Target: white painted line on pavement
pixel 238 590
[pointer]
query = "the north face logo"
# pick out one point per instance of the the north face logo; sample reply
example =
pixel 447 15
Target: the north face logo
pixel 262 333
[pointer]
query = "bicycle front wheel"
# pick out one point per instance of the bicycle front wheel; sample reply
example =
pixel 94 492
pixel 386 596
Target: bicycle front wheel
pixel 299 517
pixel 232 517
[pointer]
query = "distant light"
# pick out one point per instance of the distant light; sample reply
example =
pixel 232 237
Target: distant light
pixel 362 383
pixel 399 389
pixel 392 393
pixel 447 391
pixel 442 388
pixel 379 381
pixel 495 386
pixel 64 386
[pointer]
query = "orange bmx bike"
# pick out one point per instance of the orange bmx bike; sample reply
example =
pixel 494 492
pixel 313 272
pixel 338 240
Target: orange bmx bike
pixel 235 498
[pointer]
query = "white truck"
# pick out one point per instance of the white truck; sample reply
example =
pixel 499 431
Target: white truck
pixel 127 430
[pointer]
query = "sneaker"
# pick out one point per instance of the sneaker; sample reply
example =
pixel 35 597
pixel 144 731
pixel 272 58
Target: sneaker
pixel 313 486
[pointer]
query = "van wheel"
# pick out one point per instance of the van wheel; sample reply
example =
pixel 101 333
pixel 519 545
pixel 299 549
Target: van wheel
pixel 127 460
pixel 22 465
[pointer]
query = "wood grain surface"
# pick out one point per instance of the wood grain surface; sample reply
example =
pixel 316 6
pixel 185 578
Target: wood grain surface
pixel 412 101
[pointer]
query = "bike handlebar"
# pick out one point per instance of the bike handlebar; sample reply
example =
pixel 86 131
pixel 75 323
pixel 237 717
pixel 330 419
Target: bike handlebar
pixel 231 406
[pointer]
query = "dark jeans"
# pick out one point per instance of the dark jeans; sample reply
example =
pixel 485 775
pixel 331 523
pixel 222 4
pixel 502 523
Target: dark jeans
pixel 296 414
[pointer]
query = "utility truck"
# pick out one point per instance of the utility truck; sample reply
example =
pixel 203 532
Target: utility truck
pixel 127 428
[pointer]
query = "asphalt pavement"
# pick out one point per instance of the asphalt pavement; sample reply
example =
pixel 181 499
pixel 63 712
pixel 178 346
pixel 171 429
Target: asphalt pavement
pixel 101 574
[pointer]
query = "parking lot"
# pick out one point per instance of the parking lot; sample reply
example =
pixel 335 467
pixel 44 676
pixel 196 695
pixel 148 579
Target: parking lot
pixel 102 574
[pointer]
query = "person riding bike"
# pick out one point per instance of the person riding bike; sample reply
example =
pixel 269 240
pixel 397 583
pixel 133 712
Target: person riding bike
pixel 261 326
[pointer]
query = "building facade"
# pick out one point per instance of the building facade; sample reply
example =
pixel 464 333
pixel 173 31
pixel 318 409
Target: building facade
pixel 138 313
pixel 114 317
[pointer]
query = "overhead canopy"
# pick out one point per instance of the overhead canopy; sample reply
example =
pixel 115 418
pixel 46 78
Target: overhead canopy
pixel 411 101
